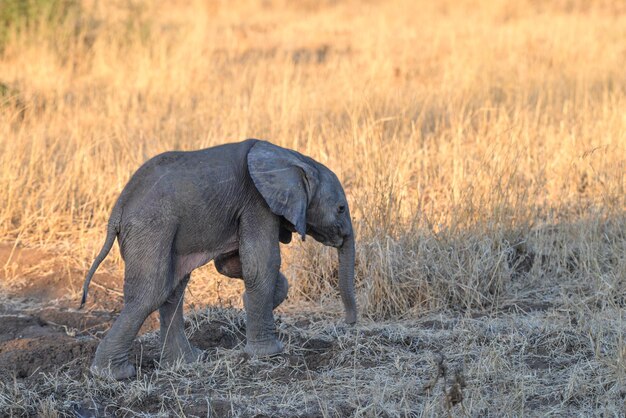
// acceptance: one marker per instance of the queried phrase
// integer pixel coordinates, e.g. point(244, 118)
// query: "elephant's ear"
point(285, 179)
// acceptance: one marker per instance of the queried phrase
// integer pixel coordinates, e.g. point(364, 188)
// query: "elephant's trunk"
point(346, 278)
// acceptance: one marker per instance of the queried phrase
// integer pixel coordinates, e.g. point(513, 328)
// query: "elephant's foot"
point(196, 354)
point(264, 348)
point(180, 350)
point(120, 372)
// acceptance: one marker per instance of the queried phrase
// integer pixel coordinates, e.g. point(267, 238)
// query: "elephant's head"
point(310, 197)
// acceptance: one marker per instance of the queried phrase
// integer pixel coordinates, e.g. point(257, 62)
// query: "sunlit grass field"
point(482, 146)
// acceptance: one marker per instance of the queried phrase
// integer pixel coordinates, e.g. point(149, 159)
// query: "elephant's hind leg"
point(148, 281)
point(112, 352)
point(174, 342)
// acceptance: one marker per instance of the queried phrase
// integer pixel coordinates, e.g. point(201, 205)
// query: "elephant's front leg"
point(260, 260)
point(280, 292)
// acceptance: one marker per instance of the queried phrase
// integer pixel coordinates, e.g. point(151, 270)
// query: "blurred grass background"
point(481, 143)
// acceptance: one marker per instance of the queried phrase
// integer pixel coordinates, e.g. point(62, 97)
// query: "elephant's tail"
point(112, 231)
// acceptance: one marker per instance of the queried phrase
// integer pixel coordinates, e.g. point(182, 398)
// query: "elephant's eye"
point(341, 209)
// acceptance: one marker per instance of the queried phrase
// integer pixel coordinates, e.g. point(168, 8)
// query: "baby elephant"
point(232, 203)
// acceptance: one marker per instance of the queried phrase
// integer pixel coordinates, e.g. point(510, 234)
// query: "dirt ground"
point(531, 359)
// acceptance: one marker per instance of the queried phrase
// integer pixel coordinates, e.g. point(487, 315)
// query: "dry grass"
point(498, 366)
point(482, 145)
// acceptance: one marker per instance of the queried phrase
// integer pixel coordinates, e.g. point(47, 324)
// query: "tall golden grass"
point(482, 144)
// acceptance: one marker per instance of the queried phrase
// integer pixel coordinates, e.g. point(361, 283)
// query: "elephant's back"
point(174, 172)
point(193, 189)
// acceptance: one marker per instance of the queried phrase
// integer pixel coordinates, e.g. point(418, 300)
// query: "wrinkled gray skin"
point(233, 204)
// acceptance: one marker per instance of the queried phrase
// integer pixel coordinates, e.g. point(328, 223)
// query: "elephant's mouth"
point(330, 241)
